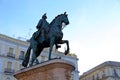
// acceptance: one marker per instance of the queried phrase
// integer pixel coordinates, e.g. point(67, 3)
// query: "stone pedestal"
point(56, 69)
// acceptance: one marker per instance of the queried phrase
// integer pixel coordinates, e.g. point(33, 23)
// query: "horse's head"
point(59, 20)
point(64, 18)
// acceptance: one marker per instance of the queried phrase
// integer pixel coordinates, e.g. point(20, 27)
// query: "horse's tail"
point(27, 56)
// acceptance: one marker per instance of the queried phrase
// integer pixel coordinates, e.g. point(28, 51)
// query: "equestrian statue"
point(47, 35)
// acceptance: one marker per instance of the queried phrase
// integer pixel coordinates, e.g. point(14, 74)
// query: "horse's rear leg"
point(33, 57)
point(36, 52)
point(27, 56)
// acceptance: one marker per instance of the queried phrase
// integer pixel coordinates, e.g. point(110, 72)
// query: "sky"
point(93, 32)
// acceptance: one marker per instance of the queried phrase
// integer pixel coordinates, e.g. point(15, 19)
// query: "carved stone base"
point(56, 69)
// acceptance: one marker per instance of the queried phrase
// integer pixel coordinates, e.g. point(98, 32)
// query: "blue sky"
point(93, 32)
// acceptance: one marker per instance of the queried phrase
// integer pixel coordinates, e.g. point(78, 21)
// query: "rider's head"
point(44, 16)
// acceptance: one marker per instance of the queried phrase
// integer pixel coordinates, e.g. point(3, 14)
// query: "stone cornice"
point(13, 40)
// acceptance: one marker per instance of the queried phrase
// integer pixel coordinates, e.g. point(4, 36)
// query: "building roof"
point(107, 63)
point(13, 40)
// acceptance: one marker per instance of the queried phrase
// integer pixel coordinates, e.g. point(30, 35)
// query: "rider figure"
point(42, 26)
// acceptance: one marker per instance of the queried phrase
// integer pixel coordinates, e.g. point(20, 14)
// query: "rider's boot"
point(42, 36)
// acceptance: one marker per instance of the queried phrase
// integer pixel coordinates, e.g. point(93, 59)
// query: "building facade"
point(109, 70)
point(12, 53)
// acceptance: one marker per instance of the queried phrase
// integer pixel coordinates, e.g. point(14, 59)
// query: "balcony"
point(9, 71)
point(10, 55)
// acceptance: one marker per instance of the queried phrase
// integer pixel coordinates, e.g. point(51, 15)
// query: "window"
point(10, 53)
point(93, 77)
point(97, 78)
point(8, 69)
point(8, 78)
point(9, 65)
point(21, 66)
point(115, 73)
point(21, 55)
point(11, 50)
point(103, 74)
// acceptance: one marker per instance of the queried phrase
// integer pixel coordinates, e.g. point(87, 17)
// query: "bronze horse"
point(54, 35)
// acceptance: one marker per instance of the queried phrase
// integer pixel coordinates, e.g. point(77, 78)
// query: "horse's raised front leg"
point(67, 43)
point(52, 41)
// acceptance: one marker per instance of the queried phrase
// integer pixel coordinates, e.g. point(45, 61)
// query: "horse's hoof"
point(49, 59)
point(66, 52)
point(24, 64)
point(30, 65)
point(37, 63)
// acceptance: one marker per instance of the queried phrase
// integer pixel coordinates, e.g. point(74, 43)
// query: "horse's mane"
point(55, 19)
